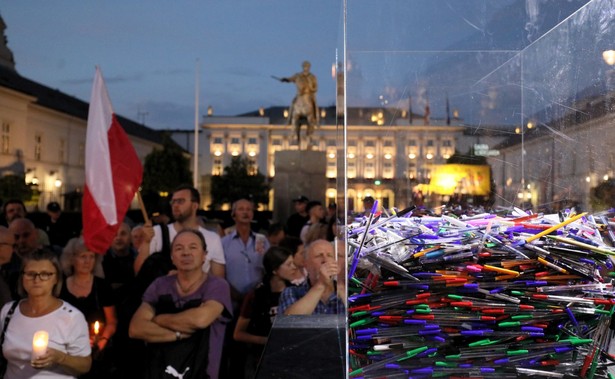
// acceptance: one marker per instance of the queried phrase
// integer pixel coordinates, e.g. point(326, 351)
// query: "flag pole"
point(142, 206)
point(195, 177)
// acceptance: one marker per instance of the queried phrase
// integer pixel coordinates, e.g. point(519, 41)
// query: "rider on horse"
point(307, 86)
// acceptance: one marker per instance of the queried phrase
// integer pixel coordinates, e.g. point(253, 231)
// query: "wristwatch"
point(178, 335)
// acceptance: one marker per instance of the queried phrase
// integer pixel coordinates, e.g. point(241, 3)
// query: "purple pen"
point(480, 332)
point(427, 352)
point(531, 329)
point(415, 322)
point(429, 331)
point(366, 331)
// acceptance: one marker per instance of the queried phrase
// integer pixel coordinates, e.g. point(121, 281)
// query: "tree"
point(239, 180)
point(15, 187)
point(163, 171)
point(603, 195)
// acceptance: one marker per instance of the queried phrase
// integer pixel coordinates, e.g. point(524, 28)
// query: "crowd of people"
point(173, 299)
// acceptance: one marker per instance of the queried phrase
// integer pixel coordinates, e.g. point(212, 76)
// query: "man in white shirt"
point(184, 204)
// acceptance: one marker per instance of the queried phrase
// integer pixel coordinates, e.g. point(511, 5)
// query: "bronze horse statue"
point(303, 112)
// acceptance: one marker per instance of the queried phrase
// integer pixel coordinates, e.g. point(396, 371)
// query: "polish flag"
point(113, 172)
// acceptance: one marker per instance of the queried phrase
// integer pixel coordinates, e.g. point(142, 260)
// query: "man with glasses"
point(184, 204)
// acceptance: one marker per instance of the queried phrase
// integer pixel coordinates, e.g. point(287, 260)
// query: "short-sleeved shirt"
point(261, 307)
point(292, 294)
point(214, 246)
point(68, 333)
point(244, 262)
point(92, 305)
point(213, 288)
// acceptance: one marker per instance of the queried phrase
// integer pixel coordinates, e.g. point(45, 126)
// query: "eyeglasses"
point(32, 275)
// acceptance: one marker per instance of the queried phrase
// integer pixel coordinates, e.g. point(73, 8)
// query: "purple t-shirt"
point(213, 288)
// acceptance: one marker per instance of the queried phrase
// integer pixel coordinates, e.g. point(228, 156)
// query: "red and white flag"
point(113, 171)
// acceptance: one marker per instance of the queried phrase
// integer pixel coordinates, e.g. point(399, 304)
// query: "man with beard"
point(184, 204)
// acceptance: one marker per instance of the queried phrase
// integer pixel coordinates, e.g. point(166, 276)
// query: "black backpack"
point(156, 265)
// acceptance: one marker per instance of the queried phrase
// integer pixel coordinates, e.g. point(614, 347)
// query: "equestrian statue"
point(303, 109)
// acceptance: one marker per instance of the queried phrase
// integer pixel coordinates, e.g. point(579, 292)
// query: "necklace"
point(30, 311)
point(80, 289)
point(87, 284)
point(190, 288)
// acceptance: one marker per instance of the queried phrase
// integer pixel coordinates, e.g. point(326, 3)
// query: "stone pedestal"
point(298, 172)
point(305, 347)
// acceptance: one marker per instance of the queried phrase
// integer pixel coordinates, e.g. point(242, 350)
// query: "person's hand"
point(148, 231)
point(51, 358)
point(328, 270)
point(101, 343)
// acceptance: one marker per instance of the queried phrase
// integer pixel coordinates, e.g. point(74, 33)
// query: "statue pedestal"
point(298, 172)
point(305, 347)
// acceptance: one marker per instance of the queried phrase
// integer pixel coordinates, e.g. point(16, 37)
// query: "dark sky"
point(148, 52)
point(399, 52)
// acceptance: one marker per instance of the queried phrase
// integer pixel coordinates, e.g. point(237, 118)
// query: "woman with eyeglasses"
point(68, 351)
point(92, 295)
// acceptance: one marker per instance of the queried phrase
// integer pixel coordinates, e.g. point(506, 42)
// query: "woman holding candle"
point(92, 295)
point(64, 350)
point(259, 307)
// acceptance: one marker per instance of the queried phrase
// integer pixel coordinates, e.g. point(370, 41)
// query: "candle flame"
point(40, 341)
point(96, 327)
point(39, 344)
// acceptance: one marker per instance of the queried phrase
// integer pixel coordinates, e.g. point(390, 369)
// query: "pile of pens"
point(508, 296)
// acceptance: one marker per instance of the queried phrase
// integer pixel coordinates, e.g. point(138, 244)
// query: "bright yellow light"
point(252, 153)
point(351, 155)
point(605, 177)
point(331, 155)
point(517, 130)
point(235, 153)
point(587, 179)
point(369, 156)
point(58, 183)
point(519, 195)
point(217, 153)
point(411, 155)
point(429, 156)
point(609, 57)
point(449, 179)
point(387, 156)
point(285, 113)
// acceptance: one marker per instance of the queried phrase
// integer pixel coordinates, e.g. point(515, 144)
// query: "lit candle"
point(96, 328)
point(39, 344)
